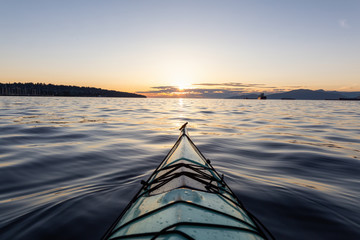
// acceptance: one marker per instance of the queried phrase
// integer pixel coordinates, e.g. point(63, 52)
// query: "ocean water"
point(68, 166)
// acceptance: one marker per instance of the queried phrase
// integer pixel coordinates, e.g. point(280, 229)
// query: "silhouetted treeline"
point(41, 89)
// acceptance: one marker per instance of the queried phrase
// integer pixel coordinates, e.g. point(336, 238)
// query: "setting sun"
point(183, 85)
point(182, 81)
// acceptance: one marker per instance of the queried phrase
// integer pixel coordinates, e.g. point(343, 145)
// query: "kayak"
point(185, 198)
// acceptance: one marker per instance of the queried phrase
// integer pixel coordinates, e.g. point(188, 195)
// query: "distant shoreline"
point(64, 96)
point(250, 99)
point(50, 90)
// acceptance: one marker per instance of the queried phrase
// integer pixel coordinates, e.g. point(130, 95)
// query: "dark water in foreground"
point(68, 166)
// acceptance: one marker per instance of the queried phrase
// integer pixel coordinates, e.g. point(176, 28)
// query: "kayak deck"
point(185, 198)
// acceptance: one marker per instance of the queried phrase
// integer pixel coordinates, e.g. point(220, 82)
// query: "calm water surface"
point(68, 166)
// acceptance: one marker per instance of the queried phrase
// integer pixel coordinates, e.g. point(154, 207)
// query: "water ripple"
point(70, 165)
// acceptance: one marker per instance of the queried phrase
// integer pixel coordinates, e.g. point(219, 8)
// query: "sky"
point(172, 48)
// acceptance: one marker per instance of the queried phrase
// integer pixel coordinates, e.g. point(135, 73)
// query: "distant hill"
point(350, 94)
point(306, 94)
point(40, 89)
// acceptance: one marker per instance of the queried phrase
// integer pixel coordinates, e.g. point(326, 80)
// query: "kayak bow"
point(185, 198)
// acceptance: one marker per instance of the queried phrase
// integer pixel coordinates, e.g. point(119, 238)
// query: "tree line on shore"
point(41, 89)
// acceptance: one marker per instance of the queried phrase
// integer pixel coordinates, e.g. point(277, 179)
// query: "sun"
point(181, 81)
point(183, 85)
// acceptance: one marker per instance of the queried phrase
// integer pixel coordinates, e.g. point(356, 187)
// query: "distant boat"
point(262, 96)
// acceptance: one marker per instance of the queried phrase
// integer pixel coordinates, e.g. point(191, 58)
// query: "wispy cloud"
point(296, 86)
point(344, 23)
point(166, 88)
point(230, 84)
point(173, 91)
point(209, 90)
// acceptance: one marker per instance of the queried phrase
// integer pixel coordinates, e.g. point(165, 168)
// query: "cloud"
point(210, 90)
point(218, 92)
point(173, 91)
point(296, 87)
point(167, 89)
point(230, 84)
point(164, 87)
point(344, 23)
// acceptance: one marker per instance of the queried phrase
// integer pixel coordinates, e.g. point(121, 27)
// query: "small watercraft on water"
point(185, 198)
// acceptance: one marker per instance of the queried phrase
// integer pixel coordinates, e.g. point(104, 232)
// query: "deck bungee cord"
point(185, 198)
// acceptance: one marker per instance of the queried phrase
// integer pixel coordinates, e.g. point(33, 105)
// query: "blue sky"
point(137, 45)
